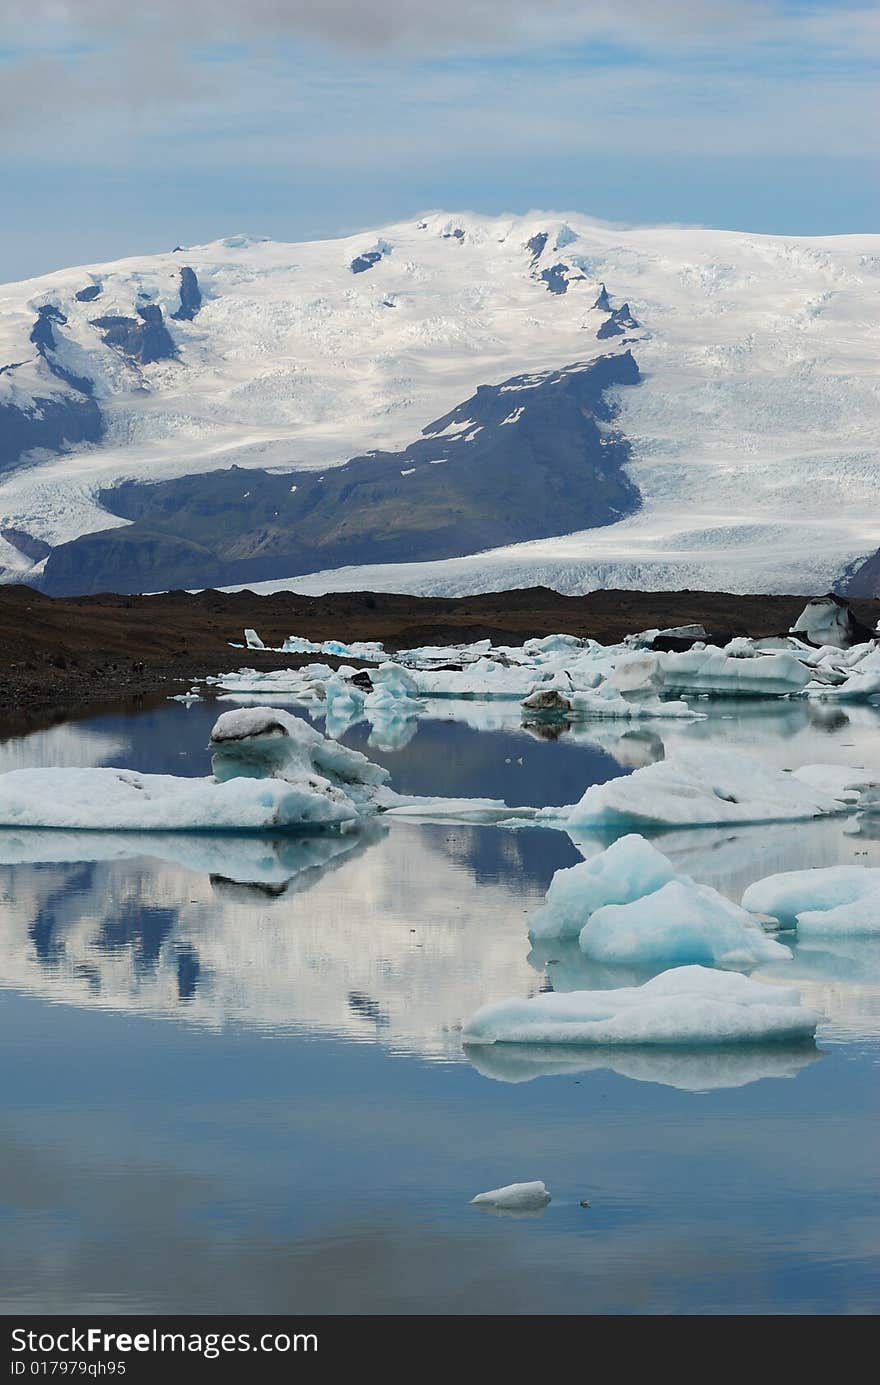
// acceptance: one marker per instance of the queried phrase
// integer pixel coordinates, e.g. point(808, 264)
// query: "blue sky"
point(128, 131)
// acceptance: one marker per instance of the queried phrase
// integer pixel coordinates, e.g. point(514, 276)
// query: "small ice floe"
point(515, 1197)
point(252, 640)
point(826, 900)
point(686, 1007)
point(603, 701)
point(628, 907)
point(703, 788)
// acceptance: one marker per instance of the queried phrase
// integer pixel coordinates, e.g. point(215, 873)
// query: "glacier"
point(753, 434)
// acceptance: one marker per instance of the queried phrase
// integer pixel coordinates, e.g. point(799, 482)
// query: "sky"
point(130, 129)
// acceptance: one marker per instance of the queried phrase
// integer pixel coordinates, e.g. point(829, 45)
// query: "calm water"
point(234, 1079)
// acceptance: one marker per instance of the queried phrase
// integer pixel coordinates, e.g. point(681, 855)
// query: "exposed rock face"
point(190, 295)
point(519, 460)
point(556, 278)
point(865, 580)
point(361, 263)
point(88, 295)
point(55, 420)
point(33, 548)
point(603, 302)
point(536, 246)
point(43, 337)
point(53, 423)
point(145, 341)
point(621, 320)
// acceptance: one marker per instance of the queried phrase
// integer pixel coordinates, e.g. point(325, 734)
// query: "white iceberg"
point(252, 640)
point(515, 1197)
point(822, 901)
point(271, 770)
point(717, 672)
point(688, 1006)
point(828, 620)
point(699, 787)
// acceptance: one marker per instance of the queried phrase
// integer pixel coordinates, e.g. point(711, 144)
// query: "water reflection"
point(690, 1071)
point(216, 1093)
point(391, 936)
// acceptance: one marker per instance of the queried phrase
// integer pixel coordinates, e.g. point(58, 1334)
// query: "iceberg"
point(626, 871)
point(678, 924)
point(628, 907)
point(724, 674)
point(699, 787)
point(821, 901)
point(515, 1197)
point(270, 770)
point(690, 1006)
point(829, 620)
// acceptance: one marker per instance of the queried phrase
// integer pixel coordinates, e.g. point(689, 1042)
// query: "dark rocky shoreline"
point(65, 658)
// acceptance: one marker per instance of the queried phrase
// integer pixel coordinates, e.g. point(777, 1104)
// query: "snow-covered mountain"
point(667, 408)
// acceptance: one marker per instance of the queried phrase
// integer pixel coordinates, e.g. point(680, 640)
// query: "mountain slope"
point(753, 436)
point(528, 457)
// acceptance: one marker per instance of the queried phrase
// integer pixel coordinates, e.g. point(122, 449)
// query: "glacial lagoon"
point(235, 1080)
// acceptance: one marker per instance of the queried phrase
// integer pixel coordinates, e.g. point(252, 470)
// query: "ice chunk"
point(629, 907)
point(252, 640)
point(123, 800)
point(717, 672)
point(827, 899)
point(829, 620)
point(838, 781)
point(271, 770)
point(629, 869)
point(698, 788)
point(636, 673)
point(680, 923)
point(607, 702)
point(394, 680)
point(688, 1006)
point(515, 1197)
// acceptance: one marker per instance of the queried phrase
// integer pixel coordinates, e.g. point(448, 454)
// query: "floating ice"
point(688, 1006)
point(124, 800)
point(271, 770)
point(678, 924)
point(827, 899)
point(698, 788)
point(628, 907)
point(252, 640)
point(629, 869)
point(718, 672)
point(516, 1197)
point(828, 620)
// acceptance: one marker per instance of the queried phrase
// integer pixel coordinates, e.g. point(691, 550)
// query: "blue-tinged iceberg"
point(686, 1007)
